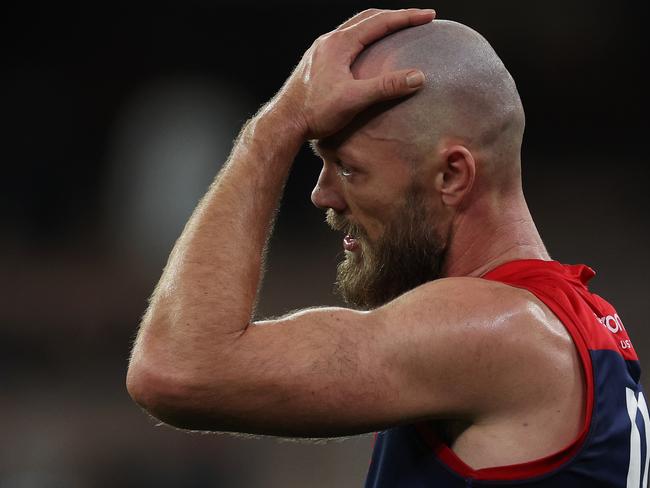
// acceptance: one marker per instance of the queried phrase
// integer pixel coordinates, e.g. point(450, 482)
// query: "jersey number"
point(634, 471)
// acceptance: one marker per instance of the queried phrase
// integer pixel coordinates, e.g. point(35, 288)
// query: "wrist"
point(270, 139)
point(281, 112)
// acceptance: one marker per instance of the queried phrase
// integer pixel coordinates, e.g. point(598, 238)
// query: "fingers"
point(374, 27)
point(387, 87)
point(323, 87)
point(355, 19)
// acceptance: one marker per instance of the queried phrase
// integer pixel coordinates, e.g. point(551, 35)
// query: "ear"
point(456, 176)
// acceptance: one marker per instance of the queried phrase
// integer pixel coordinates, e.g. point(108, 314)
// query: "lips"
point(350, 243)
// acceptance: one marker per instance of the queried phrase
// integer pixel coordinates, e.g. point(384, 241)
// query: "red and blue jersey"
point(612, 447)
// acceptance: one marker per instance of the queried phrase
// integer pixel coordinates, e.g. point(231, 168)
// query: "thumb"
point(388, 86)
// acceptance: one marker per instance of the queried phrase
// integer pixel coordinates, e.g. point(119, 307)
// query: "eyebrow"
point(322, 147)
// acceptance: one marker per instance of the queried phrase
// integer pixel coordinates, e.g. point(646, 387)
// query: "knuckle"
point(341, 34)
point(334, 36)
point(390, 86)
point(320, 45)
point(321, 39)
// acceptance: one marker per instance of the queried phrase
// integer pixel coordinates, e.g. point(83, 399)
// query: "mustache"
point(339, 223)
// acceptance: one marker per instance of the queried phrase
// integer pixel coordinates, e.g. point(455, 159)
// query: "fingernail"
point(414, 79)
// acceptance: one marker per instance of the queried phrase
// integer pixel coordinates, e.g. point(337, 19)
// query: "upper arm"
point(441, 350)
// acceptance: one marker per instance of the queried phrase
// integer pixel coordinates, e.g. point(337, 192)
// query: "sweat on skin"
point(200, 363)
point(468, 98)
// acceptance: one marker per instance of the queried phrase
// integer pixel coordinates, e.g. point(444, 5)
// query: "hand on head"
point(322, 94)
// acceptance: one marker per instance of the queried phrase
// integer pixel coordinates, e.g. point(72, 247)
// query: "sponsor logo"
point(612, 322)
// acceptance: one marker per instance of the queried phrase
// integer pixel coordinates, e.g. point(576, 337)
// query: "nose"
point(326, 193)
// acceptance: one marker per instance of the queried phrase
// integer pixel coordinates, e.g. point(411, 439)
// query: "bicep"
point(316, 373)
point(333, 371)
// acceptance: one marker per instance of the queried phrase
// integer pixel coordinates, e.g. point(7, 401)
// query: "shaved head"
point(468, 97)
point(456, 141)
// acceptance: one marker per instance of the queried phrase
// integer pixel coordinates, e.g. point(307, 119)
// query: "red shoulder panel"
point(593, 324)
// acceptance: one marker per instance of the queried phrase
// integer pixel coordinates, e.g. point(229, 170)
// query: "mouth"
point(350, 243)
point(337, 222)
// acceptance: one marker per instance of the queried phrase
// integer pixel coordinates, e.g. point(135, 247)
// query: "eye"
point(343, 170)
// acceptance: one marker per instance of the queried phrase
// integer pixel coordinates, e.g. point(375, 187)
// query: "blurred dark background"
point(116, 116)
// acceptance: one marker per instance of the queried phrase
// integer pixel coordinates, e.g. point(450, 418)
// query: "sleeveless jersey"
point(612, 447)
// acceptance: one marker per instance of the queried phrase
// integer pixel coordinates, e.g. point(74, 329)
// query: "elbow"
point(146, 388)
point(167, 398)
point(172, 386)
point(139, 387)
point(140, 380)
point(156, 393)
point(153, 380)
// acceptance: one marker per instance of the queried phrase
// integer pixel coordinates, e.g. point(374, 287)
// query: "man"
point(480, 360)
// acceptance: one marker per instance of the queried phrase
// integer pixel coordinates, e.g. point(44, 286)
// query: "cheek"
point(374, 203)
point(376, 217)
point(368, 211)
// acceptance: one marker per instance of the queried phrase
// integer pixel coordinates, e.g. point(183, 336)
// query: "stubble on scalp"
point(468, 96)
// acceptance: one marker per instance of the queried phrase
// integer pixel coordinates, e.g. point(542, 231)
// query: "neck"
point(489, 235)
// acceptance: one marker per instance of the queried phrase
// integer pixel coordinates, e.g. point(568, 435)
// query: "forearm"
point(191, 362)
point(208, 289)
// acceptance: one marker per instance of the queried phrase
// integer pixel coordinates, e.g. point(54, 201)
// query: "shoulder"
point(472, 306)
point(500, 346)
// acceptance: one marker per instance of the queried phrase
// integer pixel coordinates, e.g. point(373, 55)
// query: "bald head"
point(468, 97)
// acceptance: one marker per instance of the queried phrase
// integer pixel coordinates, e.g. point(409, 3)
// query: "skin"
point(486, 362)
